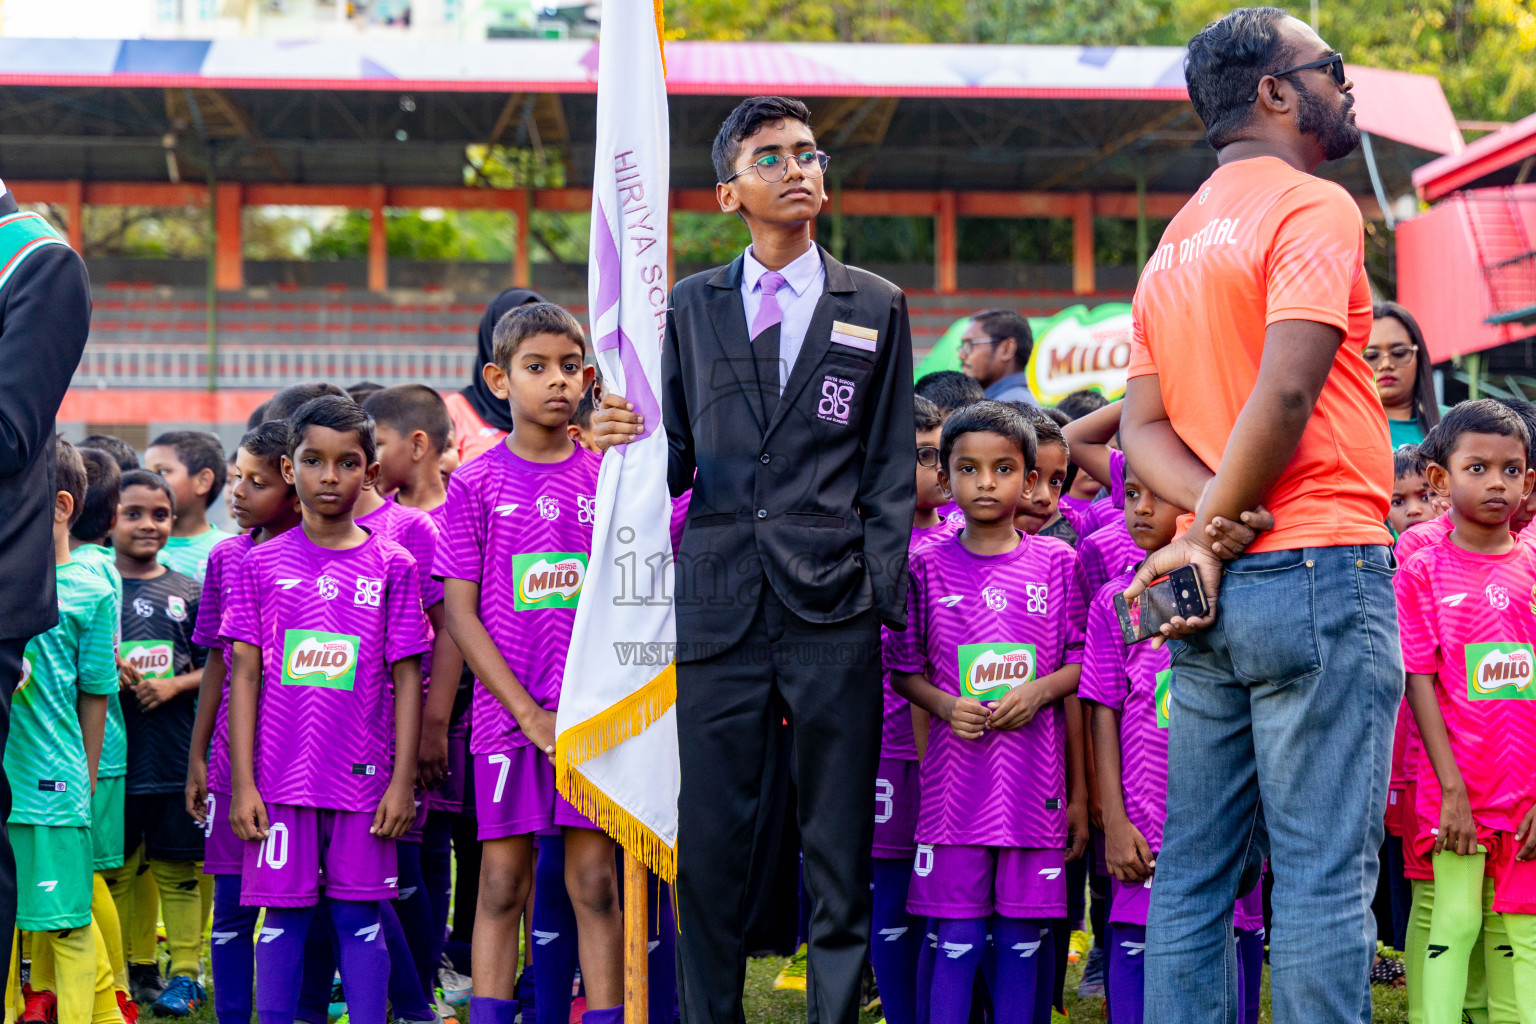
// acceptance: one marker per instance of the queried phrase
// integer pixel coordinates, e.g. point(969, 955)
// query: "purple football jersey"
point(329, 624)
point(414, 530)
point(523, 531)
point(1107, 552)
point(896, 739)
point(978, 625)
point(1133, 681)
point(221, 576)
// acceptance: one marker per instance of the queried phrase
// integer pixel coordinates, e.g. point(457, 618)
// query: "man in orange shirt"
point(1247, 389)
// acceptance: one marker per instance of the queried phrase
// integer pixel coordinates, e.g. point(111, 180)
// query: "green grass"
point(765, 1006)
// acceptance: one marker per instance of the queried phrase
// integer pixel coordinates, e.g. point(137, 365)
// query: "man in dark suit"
point(787, 399)
point(45, 314)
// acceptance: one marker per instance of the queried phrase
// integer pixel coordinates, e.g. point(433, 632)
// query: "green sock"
point(1499, 963)
point(1453, 928)
point(1521, 929)
point(1417, 943)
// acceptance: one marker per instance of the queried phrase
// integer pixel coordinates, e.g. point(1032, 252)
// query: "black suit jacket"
point(45, 315)
point(816, 500)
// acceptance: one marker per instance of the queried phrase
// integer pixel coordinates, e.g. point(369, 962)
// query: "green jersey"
point(45, 755)
point(114, 745)
point(189, 555)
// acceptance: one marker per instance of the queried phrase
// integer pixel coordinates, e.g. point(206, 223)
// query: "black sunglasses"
point(1333, 62)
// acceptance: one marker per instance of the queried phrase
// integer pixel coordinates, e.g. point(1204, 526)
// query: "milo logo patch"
point(548, 579)
point(311, 658)
point(1500, 671)
point(987, 671)
point(1162, 697)
point(154, 659)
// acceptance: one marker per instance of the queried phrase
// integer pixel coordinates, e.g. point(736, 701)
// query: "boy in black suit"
point(793, 435)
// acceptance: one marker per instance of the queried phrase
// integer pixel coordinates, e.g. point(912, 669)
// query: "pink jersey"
point(1133, 681)
point(896, 738)
point(521, 530)
point(1419, 536)
point(1470, 620)
point(219, 589)
point(329, 624)
point(978, 625)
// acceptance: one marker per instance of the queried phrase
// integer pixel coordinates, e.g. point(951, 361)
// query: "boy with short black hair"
point(88, 543)
point(192, 462)
point(949, 390)
point(994, 665)
point(58, 719)
point(288, 401)
point(897, 935)
point(528, 503)
point(1040, 511)
point(1410, 492)
point(121, 451)
point(413, 427)
point(265, 506)
point(1468, 663)
point(158, 617)
point(325, 621)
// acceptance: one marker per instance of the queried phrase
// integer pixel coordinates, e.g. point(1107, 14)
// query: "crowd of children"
point(284, 742)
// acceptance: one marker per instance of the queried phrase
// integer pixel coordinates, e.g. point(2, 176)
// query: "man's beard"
point(1333, 128)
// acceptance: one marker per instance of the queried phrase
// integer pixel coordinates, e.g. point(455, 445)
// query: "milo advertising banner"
point(988, 671)
point(154, 659)
point(1077, 349)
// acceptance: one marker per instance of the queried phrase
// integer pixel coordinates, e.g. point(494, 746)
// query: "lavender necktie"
point(769, 312)
point(765, 341)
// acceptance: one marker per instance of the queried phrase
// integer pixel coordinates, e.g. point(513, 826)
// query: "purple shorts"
point(515, 795)
point(895, 809)
point(307, 847)
point(223, 851)
point(958, 882)
point(1100, 858)
point(449, 794)
point(1128, 903)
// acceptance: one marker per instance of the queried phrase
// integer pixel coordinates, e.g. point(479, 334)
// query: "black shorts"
point(160, 821)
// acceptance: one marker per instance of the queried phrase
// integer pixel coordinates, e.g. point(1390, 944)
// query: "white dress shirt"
point(805, 278)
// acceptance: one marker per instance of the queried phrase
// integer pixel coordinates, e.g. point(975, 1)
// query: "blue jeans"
point(1279, 745)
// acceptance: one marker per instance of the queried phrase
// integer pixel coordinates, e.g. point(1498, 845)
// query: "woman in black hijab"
point(480, 419)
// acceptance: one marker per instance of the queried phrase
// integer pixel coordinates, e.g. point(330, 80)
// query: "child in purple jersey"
point(993, 643)
point(527, 505)
point(895, 935)
point(326, 620)
point(412, 426)
point(265, 506)
point(1082, 487)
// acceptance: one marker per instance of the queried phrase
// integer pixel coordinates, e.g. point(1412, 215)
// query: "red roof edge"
point(1508, 145)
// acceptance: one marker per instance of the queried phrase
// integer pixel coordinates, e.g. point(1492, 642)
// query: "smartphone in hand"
point(1178, 594)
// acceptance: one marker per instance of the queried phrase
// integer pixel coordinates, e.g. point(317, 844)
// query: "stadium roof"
point(1503, 157)
point(400, 112)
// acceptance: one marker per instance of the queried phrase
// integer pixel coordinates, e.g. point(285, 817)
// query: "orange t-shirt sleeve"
point(1316, 254)
point(1141, 363)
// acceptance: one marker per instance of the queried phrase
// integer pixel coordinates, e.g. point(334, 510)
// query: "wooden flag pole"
point(637, 940)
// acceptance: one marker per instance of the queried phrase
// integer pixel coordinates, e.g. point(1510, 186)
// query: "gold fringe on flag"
point(661, 35)
point(598, 735)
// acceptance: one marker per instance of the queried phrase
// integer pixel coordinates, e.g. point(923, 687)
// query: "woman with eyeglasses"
point(1404, 377)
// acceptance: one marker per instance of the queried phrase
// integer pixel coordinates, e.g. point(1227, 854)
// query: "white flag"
point(616, 732)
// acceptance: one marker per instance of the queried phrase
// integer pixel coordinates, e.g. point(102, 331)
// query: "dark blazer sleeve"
point(43, 326)
point(674, 410)
point(886, 493)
